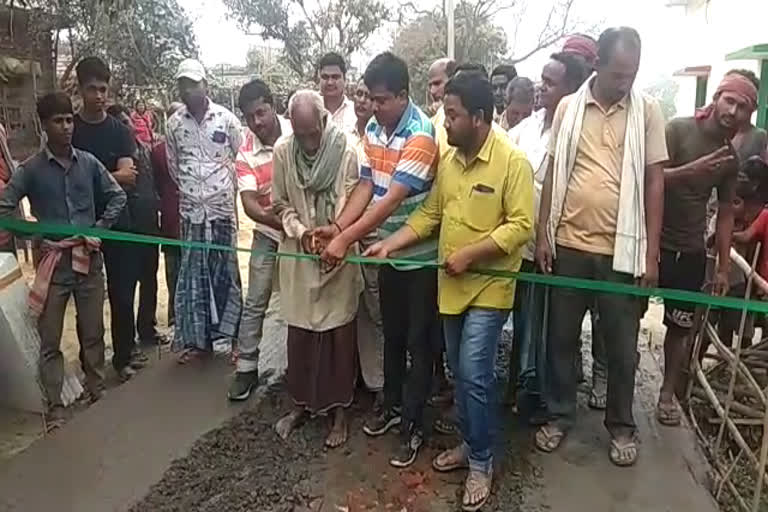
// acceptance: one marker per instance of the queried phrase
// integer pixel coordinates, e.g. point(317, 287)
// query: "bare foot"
point(287, 423)
point(338, 434)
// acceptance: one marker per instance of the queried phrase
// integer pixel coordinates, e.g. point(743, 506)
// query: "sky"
point(221, 41)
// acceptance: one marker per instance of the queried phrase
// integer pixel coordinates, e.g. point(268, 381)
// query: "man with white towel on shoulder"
point(600, 218)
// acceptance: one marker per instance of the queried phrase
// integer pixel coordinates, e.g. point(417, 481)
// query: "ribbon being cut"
point(41, 228)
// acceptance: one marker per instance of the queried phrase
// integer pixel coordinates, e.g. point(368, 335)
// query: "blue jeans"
point(471, 341)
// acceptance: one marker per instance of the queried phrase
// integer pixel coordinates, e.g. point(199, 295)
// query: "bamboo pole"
point(727, 475)
point(734, 367)
point(737, 437)
point(726, 352)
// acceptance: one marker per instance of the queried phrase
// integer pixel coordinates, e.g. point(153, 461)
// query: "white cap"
point(192, 69)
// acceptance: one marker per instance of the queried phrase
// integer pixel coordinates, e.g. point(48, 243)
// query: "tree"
point(142, 40)
point(423, 40)
point(665, 90)
point(420, 40)
point(265, 64)
point(339, 25)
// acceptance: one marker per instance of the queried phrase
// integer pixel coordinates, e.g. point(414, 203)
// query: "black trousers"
point(129, 265)
point(411, 326)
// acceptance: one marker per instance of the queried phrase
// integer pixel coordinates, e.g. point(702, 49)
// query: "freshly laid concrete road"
point(107, 457)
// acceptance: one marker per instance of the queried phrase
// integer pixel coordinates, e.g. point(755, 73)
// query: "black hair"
point(521, 89)
point(92, 68)
point(389, 70)
point(748, 190)
point(755, 171)
point(471, 67)
point(612, 37)
point(54, 103)
point(576, 70)
point(508, 70)
point(749, 75)
point(254, 90)
point(117, 109)
point(475, 93)
point(332, 59)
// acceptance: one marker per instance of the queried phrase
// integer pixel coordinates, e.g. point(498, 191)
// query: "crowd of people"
point(573, 174)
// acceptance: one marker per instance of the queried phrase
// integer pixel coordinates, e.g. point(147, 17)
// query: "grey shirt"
point(65, 196)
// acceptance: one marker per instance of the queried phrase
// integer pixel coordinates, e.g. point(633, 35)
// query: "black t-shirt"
point(108, 141)
point(685, 202)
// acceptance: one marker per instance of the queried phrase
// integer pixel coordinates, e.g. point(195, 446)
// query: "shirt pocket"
point(216, 145)
point(482, 207)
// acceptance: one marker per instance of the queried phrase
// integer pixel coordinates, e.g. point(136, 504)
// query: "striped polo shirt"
point(408, 156)
point(254, 172)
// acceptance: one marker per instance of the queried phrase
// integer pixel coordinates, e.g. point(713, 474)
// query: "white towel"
point(631, 237)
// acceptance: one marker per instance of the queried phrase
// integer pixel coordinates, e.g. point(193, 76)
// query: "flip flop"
point(668, 414)
point(549, 438)
point(445, 427)
point(623, 454)
point(476, 481)
point(597, 401)
point(451, 460)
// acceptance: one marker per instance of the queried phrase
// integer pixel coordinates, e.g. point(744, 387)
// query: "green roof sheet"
point(757, 52)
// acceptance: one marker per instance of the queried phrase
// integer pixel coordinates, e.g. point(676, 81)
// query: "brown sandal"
point(549, 438)
point(668, 413)
point(450, 460)
point(476, 482)
point(623, 454)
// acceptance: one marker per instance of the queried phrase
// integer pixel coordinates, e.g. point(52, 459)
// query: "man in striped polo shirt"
point(396, 173)
point(254, 179)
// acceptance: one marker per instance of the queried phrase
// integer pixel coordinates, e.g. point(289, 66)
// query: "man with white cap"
point(202, 142)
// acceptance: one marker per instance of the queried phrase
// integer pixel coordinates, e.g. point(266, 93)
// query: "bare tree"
point(476, 16)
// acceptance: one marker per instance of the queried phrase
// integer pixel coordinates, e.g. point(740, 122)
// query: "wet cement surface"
point(169, 441)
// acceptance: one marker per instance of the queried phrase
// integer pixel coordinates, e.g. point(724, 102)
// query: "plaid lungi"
point(208, 300)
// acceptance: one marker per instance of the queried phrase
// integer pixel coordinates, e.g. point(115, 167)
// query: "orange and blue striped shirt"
point(408, 157)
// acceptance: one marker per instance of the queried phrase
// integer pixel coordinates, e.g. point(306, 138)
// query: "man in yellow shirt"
point(483, 203)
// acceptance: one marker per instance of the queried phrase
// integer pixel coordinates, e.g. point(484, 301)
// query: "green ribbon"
point(64, 230)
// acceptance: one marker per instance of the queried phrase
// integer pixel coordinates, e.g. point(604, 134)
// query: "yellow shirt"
point(491, 196)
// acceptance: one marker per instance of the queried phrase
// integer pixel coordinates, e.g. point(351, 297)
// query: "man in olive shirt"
point(582, 224)
point(701, 158)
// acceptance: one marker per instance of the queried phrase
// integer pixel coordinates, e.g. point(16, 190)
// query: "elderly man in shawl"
point(315, 169)
point(702, 158)
point(600, 218)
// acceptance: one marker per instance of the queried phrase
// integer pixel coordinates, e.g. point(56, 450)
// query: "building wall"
point(711, 29)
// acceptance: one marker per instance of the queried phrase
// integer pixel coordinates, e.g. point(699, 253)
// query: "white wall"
point(710, 29)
